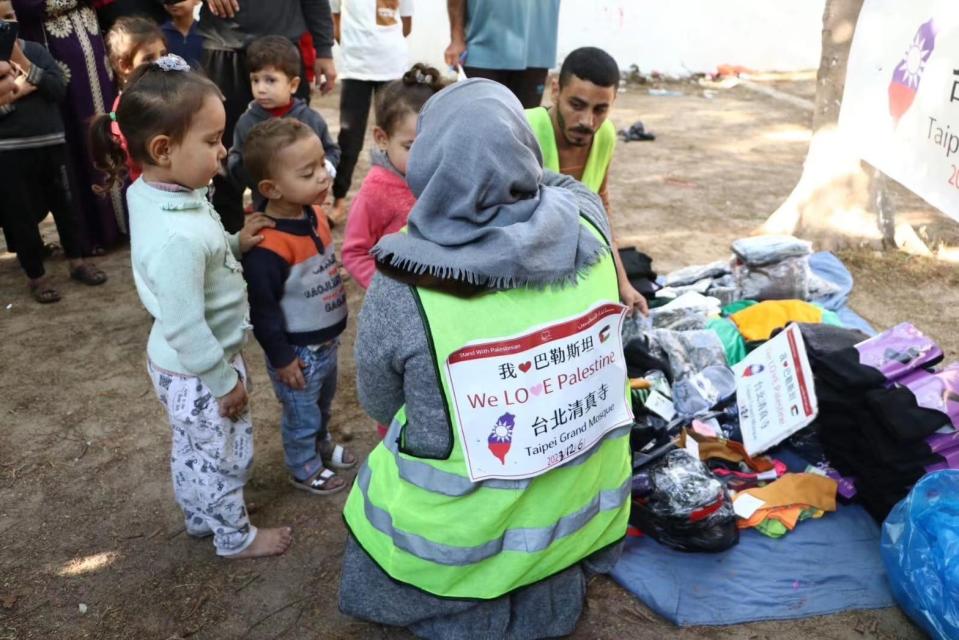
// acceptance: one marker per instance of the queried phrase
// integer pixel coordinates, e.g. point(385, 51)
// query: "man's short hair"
point(592, 64)
point(266, 140)
point(274, 51)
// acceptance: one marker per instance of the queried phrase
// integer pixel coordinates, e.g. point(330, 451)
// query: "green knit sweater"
point(189, 278)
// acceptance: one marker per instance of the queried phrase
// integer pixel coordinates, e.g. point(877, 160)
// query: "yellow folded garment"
point(756, 323)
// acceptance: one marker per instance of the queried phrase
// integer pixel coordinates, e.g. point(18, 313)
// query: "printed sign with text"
point(528, 403)
point(774, 391)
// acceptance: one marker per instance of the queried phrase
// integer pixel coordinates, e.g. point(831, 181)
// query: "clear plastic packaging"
point(695, 273)
point(787, 279)
point(686, 508)
point(760, 250)
point(679, 319)
point(696, 394)
point(687, 351)
point(920, 548)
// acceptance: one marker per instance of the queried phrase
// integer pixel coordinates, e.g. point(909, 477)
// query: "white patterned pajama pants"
point(210, 461)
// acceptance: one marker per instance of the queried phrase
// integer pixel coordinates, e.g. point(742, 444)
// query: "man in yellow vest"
point(577, 139)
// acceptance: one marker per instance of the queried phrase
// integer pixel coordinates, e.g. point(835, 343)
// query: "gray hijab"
point(482, 214)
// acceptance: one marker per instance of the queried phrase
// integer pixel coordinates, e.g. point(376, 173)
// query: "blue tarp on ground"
point(824, 566)
point(830, 268)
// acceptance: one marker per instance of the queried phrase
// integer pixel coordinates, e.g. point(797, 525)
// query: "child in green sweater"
point(189, 278)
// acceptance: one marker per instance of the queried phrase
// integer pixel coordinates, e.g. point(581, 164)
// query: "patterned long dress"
point(69, 30)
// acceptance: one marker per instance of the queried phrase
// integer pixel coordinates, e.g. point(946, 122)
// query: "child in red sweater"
point(384, 200)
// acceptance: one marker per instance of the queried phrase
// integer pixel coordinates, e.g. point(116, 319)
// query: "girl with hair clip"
point(384, 200)
point(188, 275)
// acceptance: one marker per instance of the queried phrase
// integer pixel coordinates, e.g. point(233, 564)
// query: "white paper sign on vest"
point(775, 392)
point(900, 106)
point(527, 403)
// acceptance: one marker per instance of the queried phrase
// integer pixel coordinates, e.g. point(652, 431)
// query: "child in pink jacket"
point(384, 200)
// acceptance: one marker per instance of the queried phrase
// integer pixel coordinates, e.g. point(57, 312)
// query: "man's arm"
point(456, 9)
point(627, 293)
point(319, 22)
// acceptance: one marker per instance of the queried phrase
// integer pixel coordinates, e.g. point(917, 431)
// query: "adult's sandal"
point(44, 293)
point(88, 275)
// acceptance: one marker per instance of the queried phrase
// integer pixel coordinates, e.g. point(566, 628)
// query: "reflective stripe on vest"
point(600, 152)
point(524, 540)
point(430, 478)
point(426, 524)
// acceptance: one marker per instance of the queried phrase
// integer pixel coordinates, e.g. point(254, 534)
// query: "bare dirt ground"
point(87, 518)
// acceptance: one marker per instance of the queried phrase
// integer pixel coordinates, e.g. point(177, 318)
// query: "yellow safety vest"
point(600, 153)
point(426, 524)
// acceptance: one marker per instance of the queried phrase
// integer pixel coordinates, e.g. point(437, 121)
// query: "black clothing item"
point(151, 9)
point(35, 181)
point(636, 132)
point(35, 120)
point(639, 359)
point(897, 411)
point(356, 96)
point(867, 430)
point(228, 70)
point(290, 18)
point(639, 271)
point(526, 84)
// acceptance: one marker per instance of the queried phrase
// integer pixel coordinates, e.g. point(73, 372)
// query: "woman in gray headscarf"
point(487, 220)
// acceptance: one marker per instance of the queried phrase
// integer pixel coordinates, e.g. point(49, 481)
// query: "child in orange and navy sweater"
point(297, 300)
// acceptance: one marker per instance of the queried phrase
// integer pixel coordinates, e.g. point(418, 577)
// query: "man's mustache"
point(586, 131)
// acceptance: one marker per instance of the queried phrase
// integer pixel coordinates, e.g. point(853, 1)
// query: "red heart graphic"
point(525, 366)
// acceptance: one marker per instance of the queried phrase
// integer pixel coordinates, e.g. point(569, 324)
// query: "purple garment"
point(939, 391)
point(69, 30)
point(941, 442)
point(898, 351)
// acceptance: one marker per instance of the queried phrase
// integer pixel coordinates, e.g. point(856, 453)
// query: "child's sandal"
point(320, 483)
point(334, 458)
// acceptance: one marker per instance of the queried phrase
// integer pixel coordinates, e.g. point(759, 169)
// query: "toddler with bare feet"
point(187, 272)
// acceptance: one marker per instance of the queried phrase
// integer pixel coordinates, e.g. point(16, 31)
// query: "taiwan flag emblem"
point(908, 73)
point(501, 438)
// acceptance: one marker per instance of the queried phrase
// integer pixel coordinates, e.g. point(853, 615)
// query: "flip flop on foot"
point(335, 456)
point(323, 483)
point(88, 274)
point(44, 293)
point(268, 542)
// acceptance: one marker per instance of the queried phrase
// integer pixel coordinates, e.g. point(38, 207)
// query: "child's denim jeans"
point(306, 412)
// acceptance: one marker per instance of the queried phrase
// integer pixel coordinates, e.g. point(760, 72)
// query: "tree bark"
point(838, 201)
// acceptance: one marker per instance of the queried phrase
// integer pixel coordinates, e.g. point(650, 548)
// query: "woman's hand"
point(633, 299)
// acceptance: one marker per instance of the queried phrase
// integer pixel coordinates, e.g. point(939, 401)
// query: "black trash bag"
point(679, 503)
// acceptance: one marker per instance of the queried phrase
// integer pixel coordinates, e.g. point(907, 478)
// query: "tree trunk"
point(838, 201)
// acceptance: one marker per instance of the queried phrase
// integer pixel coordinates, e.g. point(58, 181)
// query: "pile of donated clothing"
point(695, 486)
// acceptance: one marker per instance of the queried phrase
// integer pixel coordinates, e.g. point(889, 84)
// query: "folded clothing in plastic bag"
point(687, 351)
point(679, 503)
point(695, 273)
point(787, 279)
point(760, 250)
point(699, 392)
point(919, 547)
